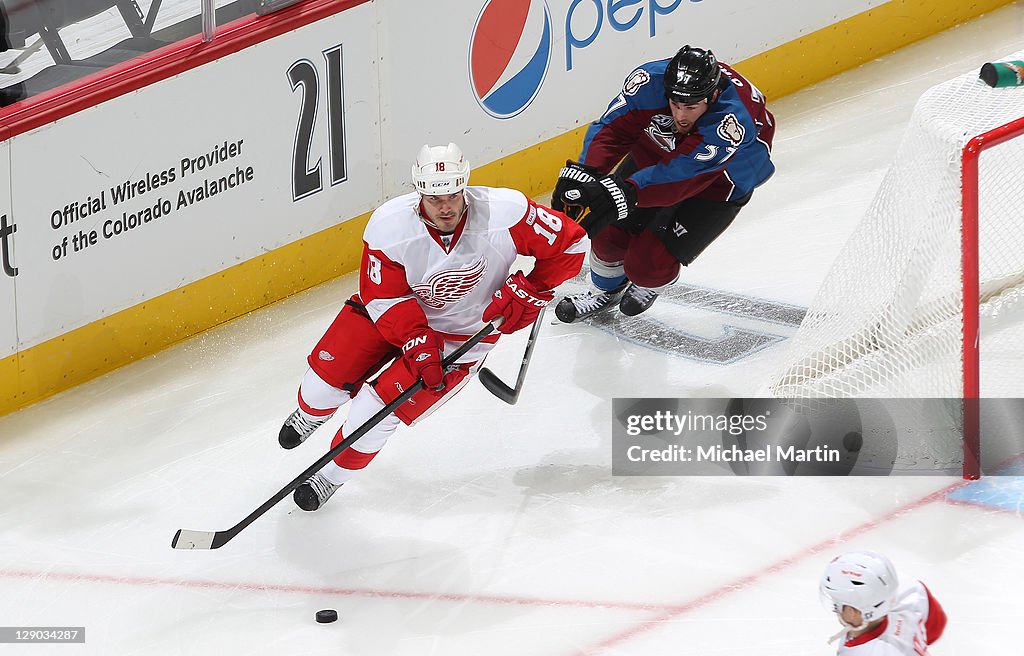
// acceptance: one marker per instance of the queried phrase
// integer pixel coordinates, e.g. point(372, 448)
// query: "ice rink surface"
point(494, 529)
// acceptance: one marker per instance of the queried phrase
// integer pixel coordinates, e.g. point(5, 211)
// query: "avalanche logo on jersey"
point(661, 132)
point(636, 79)
point(731, 130)
point(451, 285)
point(509, 53)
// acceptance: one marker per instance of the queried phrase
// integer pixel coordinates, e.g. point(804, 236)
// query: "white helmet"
point(864, 580)
point(440, 170)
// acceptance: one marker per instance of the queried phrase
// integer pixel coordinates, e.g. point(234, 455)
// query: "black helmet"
point(692, 75)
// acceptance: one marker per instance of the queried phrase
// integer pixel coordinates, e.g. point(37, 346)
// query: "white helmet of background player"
point(864, 580)
point(440, 170)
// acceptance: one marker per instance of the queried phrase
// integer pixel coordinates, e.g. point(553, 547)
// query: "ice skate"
point(314, 492)
point(298, 427)
point(577, 306)
point(637, 299)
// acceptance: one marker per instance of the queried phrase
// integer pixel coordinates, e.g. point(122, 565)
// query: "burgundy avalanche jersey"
point(725, 155)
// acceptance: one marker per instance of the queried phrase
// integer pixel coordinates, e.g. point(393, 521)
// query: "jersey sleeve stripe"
point(378, 306)
point(582, 245)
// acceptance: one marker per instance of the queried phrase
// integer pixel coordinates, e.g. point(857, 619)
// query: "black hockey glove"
point(598, 204)
point(572, 176)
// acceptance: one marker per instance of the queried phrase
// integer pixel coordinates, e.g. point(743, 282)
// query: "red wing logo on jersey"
point(449, 286)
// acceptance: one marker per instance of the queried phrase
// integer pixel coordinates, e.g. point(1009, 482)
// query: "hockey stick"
point(189, 539)
point(494, 384)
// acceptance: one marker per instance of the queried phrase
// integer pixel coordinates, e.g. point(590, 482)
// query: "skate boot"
point(314, 492)
point(298, 427)
point(577, 306)
point(637, 299)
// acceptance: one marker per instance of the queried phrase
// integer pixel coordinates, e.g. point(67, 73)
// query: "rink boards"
point(201, 187)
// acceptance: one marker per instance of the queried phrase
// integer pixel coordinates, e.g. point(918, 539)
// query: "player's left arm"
point(558, 246)
point(556, 242)
point(681, 174)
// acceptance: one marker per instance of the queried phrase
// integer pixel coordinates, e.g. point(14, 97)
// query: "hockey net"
point(945, 232)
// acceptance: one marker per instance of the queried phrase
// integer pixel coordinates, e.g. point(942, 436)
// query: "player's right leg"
point(350, 351)
point(673, 239)
point(318, 401)
point(607, 277)
point(370, 400)
point(315, 492)
point(650, 268)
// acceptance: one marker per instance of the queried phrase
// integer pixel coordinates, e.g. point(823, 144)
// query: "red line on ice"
point(325, 590)
point(661, 612)
point(745, 582)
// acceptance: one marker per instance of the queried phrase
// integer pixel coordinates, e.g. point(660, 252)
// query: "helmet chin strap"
point(423, 218)
point(837, 636)
point(423, 215)
point(848, 627)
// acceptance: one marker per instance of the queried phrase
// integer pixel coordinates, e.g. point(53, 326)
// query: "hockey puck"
point(326, 616)
point(853, 441)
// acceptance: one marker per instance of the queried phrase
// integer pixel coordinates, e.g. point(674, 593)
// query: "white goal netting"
point(888, 319)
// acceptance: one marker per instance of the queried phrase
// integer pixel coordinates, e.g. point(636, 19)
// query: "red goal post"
point(969, 191)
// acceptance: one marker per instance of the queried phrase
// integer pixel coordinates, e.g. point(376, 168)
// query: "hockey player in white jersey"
point(435, 268)
point(879, 617)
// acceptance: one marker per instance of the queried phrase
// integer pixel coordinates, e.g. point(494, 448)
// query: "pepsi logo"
point(509, 53)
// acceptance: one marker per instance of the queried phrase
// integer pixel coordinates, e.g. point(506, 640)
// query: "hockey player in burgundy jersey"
point(435, 268)
point(879, 617)
point(694, 140)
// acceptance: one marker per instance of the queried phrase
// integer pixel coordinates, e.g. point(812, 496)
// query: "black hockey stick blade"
point(495, 386)
point(499, 389)
point(191, 539)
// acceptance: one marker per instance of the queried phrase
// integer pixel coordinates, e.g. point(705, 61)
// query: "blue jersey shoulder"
point(643, 89)
point(647, 85)
point(728, 122)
